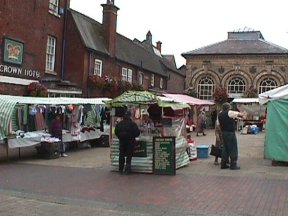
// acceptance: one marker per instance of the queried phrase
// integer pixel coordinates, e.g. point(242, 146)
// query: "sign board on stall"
point(140, 149)
point(164, 162)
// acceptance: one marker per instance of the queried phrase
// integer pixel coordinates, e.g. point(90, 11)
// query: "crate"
point(102, 141)
point(49, 150)
point(202, 151)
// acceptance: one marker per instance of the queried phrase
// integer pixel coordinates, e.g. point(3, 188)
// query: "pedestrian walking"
point(201, 123)
point(126, 131)
point(230, 149)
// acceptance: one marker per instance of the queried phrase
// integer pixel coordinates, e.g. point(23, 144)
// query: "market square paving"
point(83, 184)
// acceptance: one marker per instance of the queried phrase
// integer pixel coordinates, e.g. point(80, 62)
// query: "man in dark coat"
point(230, 149)
point(126, 131)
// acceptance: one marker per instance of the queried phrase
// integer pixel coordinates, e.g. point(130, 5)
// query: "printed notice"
point(164, 155)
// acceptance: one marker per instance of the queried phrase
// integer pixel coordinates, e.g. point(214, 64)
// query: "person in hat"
point(230, 149)
point(126, 131)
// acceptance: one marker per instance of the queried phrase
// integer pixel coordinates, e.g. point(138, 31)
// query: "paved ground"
point(82, 184)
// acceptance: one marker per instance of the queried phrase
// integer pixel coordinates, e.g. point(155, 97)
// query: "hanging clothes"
point(39, 119)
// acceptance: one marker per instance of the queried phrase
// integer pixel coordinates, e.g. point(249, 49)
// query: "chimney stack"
point(109, 25)
point(159, 45)
point(149, 37)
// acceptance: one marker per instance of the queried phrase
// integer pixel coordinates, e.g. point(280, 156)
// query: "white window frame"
point(127, 75)
point(161, 83)
point(54, 6)
point(206, 88)
point(50, 54)
point(141, 78)
point(98, 67)
point(152, 80)
point(236, 85)
point(130, 76)
point(267, 84)
point(124, 74)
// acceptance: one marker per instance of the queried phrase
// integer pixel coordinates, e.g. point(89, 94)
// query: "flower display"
point(113, 86)
point(220, 95)
point(36, 89)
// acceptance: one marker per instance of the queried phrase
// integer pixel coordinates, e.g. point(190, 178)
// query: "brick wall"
point(30, 22)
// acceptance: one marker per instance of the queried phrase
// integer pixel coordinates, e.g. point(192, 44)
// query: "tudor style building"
point(245, 61)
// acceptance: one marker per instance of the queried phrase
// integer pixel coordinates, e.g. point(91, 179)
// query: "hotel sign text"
point(12, 70)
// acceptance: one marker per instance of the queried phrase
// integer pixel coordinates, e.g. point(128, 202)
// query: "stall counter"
point(143, 163)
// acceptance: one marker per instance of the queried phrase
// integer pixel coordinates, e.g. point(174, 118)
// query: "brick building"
point(68, 52)
point(244, 62)
point(32, 36)
point(96, 50)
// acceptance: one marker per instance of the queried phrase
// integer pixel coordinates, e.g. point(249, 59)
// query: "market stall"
point(24, 121)
point(156, 117)
point(276, 136)
point(254, 111)
point(196, 106)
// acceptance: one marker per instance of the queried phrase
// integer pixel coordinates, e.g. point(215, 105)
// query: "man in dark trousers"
point(230, 149)
point(126, 131)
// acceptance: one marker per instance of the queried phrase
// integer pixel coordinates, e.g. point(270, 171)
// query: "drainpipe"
point(63, 57)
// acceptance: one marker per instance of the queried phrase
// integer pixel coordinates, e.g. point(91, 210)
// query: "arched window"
point(205, 88)
point(266, 85)
point(236, 86)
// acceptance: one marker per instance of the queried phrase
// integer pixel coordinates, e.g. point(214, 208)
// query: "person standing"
point(126, 131)
point(230, 149)
point(201, 123)
point(219, 139)
point(56, 131)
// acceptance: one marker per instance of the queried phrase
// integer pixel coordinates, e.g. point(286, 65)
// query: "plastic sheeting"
point(276, 146)
point(277, 93)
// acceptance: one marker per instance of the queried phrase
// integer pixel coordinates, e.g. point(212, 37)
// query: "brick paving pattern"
point(82, 184)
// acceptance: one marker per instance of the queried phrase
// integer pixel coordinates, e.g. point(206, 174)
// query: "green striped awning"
point(145, 98)
point(133, 98)
point(8, 103)
point(6, 109)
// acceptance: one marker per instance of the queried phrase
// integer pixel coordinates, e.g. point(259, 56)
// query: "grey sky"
point(185, 25)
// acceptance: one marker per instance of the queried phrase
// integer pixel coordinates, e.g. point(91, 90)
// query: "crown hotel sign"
point(13, 51)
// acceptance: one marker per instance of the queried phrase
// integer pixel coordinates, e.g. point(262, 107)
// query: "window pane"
point(53, 5)
point(98, 67)
point(140, 78)
point(50, 53)
point(124, 74)
point(266, 85)
point(205, 88)
point(129, 76)
point(152, 80)
point(236, 86)
point(161, 83)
